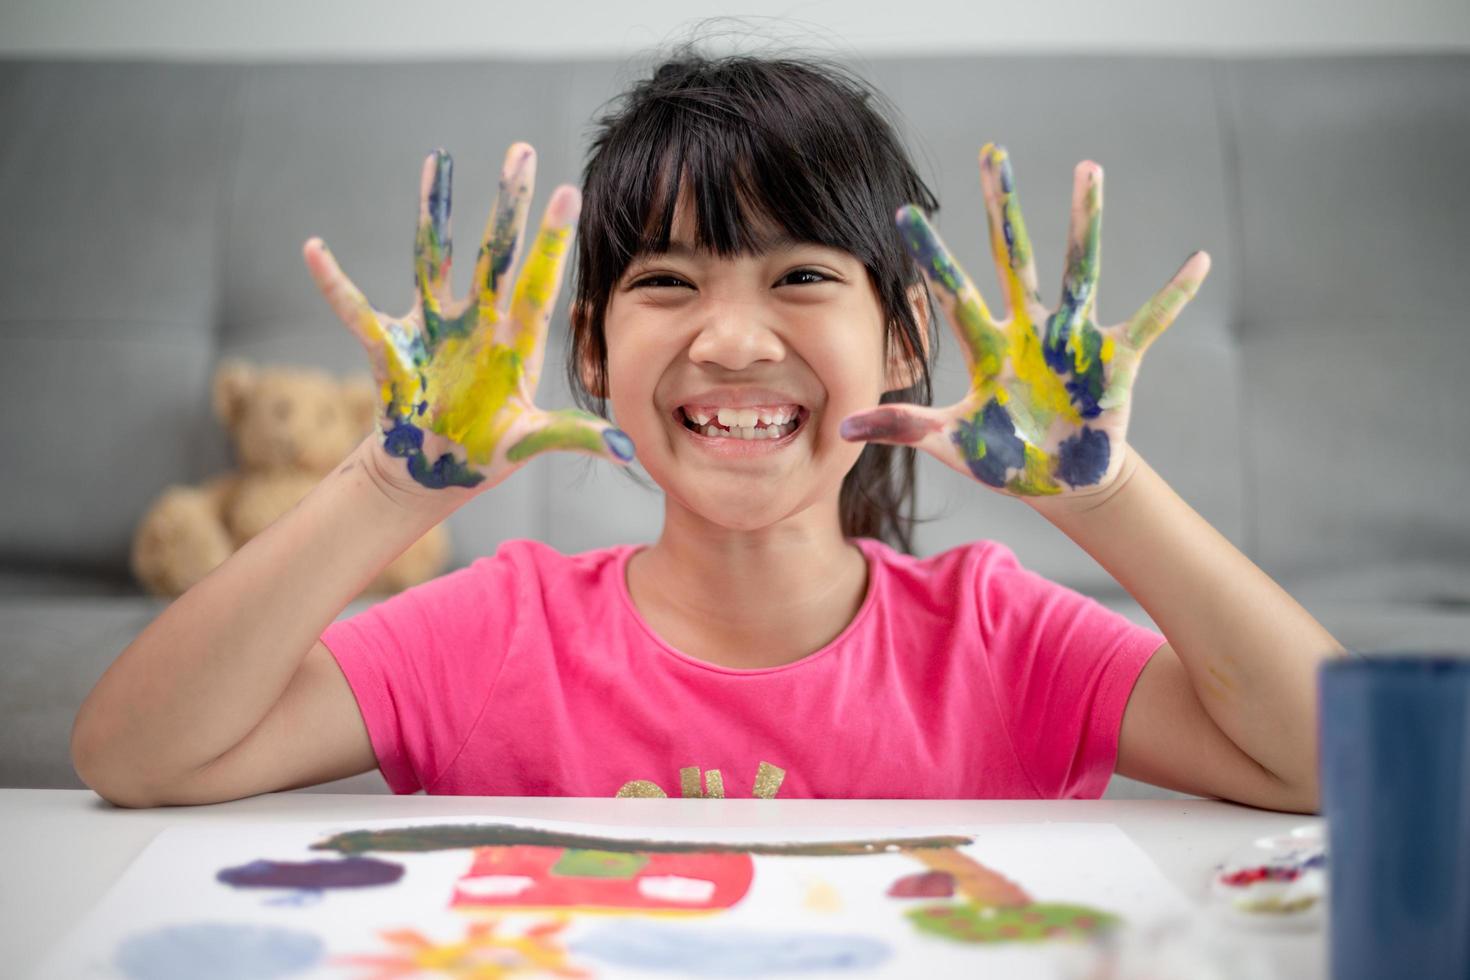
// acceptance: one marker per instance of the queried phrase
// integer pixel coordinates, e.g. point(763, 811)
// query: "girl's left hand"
point(1047, 410)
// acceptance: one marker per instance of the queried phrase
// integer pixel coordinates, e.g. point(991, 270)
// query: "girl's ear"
point(903, 371)
point(586, 370)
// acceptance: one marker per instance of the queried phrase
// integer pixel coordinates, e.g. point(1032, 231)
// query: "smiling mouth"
point(767, 426)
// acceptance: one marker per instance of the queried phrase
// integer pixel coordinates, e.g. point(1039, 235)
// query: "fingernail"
point(516, 160)
point(618, 443)
point(887, 424)
point(564, 205)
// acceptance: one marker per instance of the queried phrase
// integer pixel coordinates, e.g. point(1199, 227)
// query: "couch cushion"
point(55, 649)
point(1352, 219)
point(110, 183)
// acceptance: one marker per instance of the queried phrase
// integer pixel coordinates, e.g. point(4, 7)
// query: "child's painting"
point(475, 899)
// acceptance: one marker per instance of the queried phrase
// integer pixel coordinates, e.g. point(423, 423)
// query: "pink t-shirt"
point(962, 676)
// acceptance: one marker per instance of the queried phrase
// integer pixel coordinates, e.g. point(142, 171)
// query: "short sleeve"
point(1063, 666)
point(422, 665)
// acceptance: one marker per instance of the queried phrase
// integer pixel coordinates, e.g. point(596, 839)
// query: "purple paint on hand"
point(889, 424)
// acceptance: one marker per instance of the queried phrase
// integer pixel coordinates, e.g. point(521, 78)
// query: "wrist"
point(389, 476)
point(1078, 503)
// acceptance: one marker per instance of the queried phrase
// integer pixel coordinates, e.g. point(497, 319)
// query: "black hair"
point(794, 142)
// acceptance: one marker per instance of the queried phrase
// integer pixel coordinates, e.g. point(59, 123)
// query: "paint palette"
point(1276, 880)
point(445, 898)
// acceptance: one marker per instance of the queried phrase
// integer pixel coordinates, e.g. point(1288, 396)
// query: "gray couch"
point(1313, 403)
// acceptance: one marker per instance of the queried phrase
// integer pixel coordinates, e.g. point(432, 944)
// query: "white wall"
point(359, 29)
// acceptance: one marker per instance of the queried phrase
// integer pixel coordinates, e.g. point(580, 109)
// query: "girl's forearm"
point(204, 673)
point(1250, 650)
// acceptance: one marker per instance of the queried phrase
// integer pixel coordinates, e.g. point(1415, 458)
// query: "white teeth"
point(778, 417)
point(741, 418)
point(748, 432)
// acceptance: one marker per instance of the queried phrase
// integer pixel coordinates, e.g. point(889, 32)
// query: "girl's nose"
point(734, 340)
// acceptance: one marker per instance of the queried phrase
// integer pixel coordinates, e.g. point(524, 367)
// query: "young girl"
point(758, 322)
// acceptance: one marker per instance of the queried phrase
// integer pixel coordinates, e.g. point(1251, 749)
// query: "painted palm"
point(1047, 409)
point(459, 377)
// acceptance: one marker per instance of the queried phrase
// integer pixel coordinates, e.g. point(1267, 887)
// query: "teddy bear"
point(290, 426)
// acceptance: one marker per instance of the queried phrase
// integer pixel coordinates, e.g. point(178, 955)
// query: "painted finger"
point(346, 300)
point(1155, 316)
point(504, 232)
point(571, 430)
point(983, 342)
point(1009, 243)
point(433, 247)
point(540, 278)
point(897, 424)
point(1084, 246)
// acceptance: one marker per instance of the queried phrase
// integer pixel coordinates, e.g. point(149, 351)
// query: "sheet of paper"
point(481, 899)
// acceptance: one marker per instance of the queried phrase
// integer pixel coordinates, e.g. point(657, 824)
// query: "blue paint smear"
point(1082, 459)
point(439, 197)
point(705, 952)
point(304, 898)
point(1085, 389)
point(618, 443)
point(1004, 450)
point(927, 251)
point(406, 441)
point(1007, 182)
point(221, 951)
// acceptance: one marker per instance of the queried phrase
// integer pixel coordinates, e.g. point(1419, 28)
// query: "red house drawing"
point(532, 877)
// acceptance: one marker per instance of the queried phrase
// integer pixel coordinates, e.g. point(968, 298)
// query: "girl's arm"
point(229, 692)
point(1242, 655)
point(1228, 706)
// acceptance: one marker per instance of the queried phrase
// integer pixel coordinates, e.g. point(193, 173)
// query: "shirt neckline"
point(867, 546)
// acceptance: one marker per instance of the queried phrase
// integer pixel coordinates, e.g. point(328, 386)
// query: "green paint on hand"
point(567, 431)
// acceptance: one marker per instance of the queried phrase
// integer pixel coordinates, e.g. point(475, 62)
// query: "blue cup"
point(1395, 754)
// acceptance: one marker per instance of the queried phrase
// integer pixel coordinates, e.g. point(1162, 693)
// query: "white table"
point(60, 850)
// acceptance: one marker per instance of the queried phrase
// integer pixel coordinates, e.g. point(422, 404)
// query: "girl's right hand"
point(458, 377)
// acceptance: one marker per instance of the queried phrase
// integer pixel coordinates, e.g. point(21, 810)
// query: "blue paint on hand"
point(440, 193)
point(618, 443)
point(1057, 347)
point(406, 441)
point(989, 444)
point(1082, 459)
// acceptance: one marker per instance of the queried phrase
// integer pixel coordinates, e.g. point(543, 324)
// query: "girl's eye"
point(802, 277)
point(659, 282)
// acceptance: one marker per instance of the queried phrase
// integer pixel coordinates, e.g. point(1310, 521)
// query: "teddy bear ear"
point(232, 383)
point(360, 395)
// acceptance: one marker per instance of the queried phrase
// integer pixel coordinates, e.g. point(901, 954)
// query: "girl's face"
point(697, 343)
